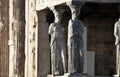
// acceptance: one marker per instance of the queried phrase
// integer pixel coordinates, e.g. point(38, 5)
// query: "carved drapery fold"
point(75, 40)
point(57, 45)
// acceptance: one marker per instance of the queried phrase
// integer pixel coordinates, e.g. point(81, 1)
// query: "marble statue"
point(75, 41)
point(58, 50)
point(117, 43)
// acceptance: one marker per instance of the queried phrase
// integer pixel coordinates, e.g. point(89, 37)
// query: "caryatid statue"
point(75, 41)
point(117, 43)
point(57, 45)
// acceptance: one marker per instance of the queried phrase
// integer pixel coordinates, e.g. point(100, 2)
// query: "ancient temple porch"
point(99, 22)
point(25, 43)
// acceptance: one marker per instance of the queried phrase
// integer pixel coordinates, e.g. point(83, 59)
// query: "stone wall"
point(100, 21)
point(101, 40)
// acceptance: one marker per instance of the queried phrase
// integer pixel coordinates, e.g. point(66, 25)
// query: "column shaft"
point(31, 39)
point(17, 38)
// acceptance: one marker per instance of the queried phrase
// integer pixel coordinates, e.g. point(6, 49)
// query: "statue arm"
point(116, 34)
point(115, 30)
point(50, 31)
point(82, 28)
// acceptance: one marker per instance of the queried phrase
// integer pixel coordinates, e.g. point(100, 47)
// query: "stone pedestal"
point(116, 75)
point(70, 75)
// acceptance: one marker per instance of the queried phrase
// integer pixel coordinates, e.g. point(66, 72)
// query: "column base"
point(116, 75)
point(70, 75)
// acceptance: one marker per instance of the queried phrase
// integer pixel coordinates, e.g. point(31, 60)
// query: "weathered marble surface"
point(76, 75)
point(43, 4)
point(57, 45)
point(70, 75)
point(75, 46)
point(117, 43)
point(17, 36)
point(75, 41)
point(117, 32)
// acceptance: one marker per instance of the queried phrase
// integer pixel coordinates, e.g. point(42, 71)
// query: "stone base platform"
point(70, 75)
point(76, 75)
point(116, 75)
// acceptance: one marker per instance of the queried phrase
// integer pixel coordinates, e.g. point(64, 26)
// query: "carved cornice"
point(104, 1)
point(76, 2)
point(50, 3)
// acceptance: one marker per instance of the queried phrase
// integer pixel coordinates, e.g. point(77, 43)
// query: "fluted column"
point(75, 39)
point(17, 38)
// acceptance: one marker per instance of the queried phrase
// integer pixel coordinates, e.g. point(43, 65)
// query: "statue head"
point(57, 13)
point(75, 9)
point(57, 17)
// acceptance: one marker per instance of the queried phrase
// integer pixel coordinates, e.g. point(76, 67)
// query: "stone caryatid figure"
point(117, 43)
point(57, 45)
point(75, 41)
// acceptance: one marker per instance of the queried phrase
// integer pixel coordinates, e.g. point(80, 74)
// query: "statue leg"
point(64, 58)
point(71, 58)
point(78, 52)
point(117, 59)
point(60, 58)
point(54, 61)
point(56, 58)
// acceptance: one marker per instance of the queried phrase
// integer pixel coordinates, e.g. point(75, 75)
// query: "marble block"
point(116, 75)
point(70, 75)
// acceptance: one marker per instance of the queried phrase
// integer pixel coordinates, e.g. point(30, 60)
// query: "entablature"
point(43, 4)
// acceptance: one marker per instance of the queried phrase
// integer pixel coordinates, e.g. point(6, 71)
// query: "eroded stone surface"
point(58, 50)
point(75, 41)
point(117, 43)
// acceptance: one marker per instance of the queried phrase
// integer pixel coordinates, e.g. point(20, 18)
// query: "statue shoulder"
point(70, 20)
point(52, 24)
point(50, 31)
point(117, 23)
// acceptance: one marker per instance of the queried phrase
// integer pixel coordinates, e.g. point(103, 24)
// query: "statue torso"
point(75, 30)
point(57, 32)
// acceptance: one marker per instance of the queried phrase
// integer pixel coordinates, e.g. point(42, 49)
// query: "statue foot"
point(56, 73)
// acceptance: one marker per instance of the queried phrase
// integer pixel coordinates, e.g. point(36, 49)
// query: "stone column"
point(17, 38)
point(75, 40)
point(43, 46)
